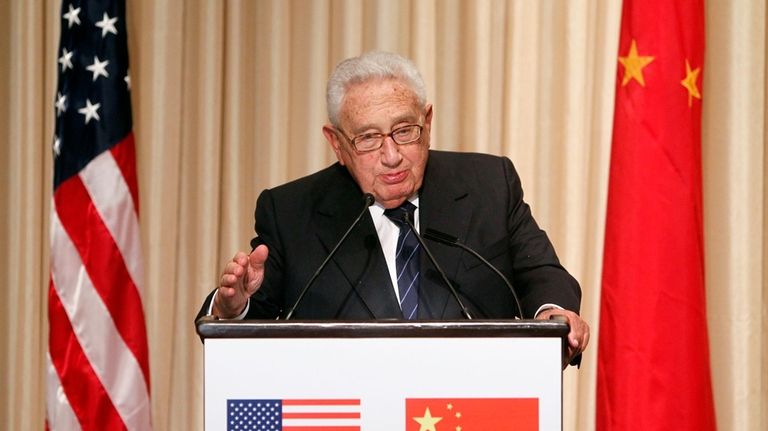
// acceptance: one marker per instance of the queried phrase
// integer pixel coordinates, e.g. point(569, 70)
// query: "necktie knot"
point(397, 215)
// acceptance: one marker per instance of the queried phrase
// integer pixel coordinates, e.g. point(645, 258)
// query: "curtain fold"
point(24, 196)
point(734, 136)
point(229, 99)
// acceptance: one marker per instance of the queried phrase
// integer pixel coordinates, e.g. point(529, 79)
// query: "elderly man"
point(379, 129)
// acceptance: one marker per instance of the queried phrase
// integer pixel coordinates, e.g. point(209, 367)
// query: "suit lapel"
point(444, 205)
point(360, 258)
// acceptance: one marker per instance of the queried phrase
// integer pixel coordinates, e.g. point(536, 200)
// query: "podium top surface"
point(379, 328)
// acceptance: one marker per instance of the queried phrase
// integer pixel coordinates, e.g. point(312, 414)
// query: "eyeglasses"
point(373, 141)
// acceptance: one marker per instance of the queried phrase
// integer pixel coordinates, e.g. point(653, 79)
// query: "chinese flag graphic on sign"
point(487, 414)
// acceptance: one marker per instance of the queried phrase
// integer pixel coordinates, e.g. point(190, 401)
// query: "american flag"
point(97, 365)
point(293, 415)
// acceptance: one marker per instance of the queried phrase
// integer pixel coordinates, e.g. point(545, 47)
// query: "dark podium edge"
point(209, 327)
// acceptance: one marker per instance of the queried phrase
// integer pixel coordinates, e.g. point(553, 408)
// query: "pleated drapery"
point(229, 98)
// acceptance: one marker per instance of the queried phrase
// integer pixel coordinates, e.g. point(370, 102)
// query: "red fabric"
point(125, 156)
point(97, 370)
point(89, 401)
point(487, 414)
point(106, 265)
point(653, 354)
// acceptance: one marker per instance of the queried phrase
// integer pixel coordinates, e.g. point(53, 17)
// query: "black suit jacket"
point(475, 197)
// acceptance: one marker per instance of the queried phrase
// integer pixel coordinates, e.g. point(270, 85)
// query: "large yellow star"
point(690, 82)
point(633, 65)
point(427, 422)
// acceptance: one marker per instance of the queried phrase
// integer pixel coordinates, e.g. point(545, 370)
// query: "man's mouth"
point(394, 178)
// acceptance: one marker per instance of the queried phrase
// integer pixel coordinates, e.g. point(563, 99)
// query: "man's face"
point(393, 172)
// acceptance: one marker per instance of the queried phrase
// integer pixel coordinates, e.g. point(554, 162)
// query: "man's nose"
point(390, 152)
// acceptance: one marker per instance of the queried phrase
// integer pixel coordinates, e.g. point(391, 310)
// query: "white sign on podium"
point(435, 381)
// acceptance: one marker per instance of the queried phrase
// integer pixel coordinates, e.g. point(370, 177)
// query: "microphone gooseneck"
point(368, 201)
point(454, 242)
point(455, 294)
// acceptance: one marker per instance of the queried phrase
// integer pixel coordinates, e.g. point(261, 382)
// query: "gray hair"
point(371, 65)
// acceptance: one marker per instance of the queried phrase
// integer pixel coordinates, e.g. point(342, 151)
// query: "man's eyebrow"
point(406, 118)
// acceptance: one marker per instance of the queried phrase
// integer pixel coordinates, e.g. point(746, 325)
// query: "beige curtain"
point(228, 98)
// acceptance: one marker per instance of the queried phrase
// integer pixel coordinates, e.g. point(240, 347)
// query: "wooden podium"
point(383, 375)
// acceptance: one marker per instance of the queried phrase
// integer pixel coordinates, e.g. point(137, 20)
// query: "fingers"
point(233, 292)
point(234, 271)
point(578, 336)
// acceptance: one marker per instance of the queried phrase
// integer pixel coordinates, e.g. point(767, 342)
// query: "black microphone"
point(368, 198)
point(455, 294)
point(454, 242)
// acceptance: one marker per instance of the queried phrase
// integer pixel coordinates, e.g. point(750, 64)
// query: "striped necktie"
point(406, 260)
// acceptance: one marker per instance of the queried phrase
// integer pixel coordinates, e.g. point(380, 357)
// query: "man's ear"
point(428, 123)
point(428, 117)
point(333, 140)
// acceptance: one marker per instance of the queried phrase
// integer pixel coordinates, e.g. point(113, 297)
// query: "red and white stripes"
point(98, 368)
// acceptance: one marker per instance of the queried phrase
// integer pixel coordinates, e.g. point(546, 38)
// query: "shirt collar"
point(377, 210)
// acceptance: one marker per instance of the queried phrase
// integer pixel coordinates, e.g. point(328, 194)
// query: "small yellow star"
point(458, 428)
point(449, 406)
point(633, 65)
point(458, 414)
point(427, 422)
point(690, 82)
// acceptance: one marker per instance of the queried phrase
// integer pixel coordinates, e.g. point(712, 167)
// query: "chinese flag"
point(487, 414)
point(653, 353)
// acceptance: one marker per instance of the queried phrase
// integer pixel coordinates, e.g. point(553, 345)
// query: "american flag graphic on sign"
point(294, 415)
point(97, 362)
